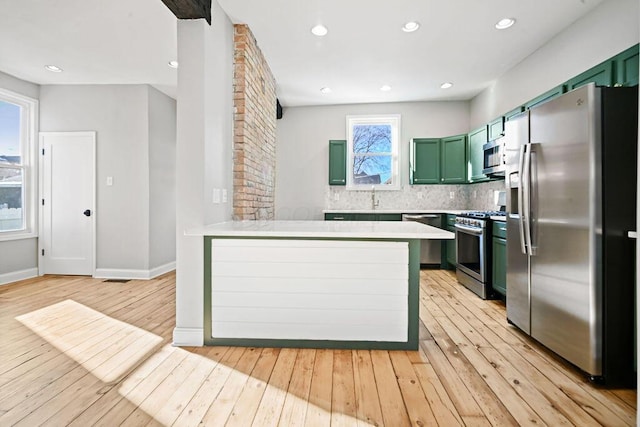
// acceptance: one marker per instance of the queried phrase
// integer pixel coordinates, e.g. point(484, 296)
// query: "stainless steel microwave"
point(494, 159)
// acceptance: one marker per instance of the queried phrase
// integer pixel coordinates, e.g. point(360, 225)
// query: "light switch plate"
point(109, 181)
point(224, 195)
point(216, 195)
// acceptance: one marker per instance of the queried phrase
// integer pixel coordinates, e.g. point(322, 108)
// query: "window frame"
point(391, 119)
point(28, 153)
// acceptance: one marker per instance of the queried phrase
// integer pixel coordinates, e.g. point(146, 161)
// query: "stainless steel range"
point(473, 251)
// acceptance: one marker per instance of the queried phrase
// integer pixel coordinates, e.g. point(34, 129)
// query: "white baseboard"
point(160, 270)
point(188, 337)
point(14, 276)
point(114, 273)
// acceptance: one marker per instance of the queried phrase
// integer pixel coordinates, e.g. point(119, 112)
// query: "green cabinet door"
point(425, 161)
point(453, 164)
point(499, 266)
point(451, 250)
point(477, 139)
point(338, 217)
point(601, 75)
point(625, 65)
point(449, 246)
point(389, 217)
point(553, 93)
point(337, 162)
point(496, 128)
point(508, 116)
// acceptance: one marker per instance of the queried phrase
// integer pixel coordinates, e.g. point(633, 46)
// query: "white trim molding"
point(113, 273)
point(15, 276)
point(188, 337)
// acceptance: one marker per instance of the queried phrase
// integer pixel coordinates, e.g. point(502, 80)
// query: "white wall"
point(205, 113)
point(135, 126)
point(302, 148)
point(162, 179)
point(606, 31)
point(119, 115)
point(18, 255)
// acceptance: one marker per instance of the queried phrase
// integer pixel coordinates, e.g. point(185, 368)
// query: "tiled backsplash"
point(475, 196)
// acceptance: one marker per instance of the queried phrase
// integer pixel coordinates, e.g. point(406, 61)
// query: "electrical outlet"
point(336, 196)
point(420, 195)
point(452, 194)
point(216, 195)
point(224, 195)
point(109, 181)
point(475, 194)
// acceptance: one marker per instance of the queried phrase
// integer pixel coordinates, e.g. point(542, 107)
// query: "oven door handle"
point(469, 230)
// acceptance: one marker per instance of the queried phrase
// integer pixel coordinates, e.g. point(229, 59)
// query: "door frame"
point(42, 235)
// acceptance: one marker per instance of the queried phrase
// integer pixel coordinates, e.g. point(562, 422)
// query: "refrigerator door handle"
point(526, 179)
point(521, 196)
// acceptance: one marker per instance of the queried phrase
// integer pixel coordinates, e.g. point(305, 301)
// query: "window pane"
point(372, 138)
point(11, 196)
point(371, 170)
point(9, 133)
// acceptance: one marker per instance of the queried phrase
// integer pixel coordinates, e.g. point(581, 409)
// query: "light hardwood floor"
point(80, 351)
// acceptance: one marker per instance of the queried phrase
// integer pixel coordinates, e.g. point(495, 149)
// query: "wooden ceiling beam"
point(190, 9)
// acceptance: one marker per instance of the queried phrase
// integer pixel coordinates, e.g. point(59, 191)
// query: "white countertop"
point(394, 211)
point(323, 229)
point(499, 218)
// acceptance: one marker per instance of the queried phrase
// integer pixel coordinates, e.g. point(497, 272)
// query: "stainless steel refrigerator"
point(571, 201)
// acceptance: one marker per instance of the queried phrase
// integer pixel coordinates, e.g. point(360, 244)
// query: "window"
point(373, 152)
point(17, 150)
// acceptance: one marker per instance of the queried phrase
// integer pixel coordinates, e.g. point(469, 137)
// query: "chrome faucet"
point(374, 203)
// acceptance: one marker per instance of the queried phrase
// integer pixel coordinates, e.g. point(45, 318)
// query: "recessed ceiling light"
point(53, 68)
point(319, 30)
point(385, 88)
point(410, 26)
point(505, 23)
point(325, 90)
point(446, 85)
point(173, 64)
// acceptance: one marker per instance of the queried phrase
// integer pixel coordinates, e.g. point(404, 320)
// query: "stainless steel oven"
point(473, 250)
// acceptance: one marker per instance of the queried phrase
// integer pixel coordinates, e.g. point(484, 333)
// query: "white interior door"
point(67, 220)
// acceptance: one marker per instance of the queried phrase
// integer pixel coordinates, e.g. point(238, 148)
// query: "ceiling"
point(93, 41)
point(131, 41)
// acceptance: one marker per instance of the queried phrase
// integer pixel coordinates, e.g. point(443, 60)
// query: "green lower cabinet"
point(361, 217)
point(499, 266)
point(338, 217)
point(450, 245)
point(389, 217)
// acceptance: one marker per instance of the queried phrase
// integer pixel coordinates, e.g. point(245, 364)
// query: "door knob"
point(87, 212)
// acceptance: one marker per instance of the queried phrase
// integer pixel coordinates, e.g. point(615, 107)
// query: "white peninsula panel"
point(289, 289)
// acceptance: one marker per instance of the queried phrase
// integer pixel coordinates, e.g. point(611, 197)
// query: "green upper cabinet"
point(553, 93)
point(508, 116)
point(601, 75)
point(425, 161)
point(496, 129)
point(453, 161)
point(439, 161)
point(477, 139)
point(625, 65)
point(337, 162)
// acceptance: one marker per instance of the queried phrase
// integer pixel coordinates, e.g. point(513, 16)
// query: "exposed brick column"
point(254, 152)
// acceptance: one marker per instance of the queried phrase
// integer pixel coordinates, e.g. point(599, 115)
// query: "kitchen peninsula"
point(315, 284)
